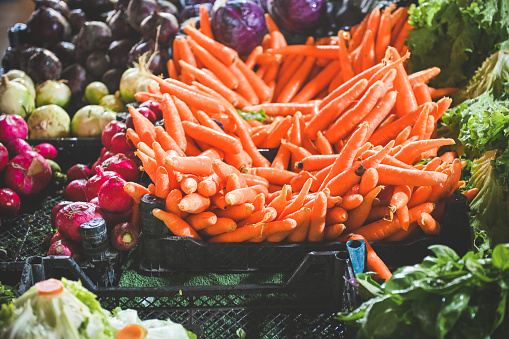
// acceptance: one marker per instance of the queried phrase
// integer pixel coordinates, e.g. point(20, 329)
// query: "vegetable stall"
point(255, 169)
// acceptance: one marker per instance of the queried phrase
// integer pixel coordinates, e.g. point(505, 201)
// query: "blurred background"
point(12, 12)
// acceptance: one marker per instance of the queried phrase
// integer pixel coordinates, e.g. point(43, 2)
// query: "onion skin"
point(27, 174)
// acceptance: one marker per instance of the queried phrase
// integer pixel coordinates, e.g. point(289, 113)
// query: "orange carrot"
point(264, 215)
point(317, 83)
point(252, 180)
point(143, 127)
point(240, 234)
point(390, 175)
point(135, 190)
point(133, 136)
point(167, 142)
point(373, 261)
point(412, 151)
point(219, 201)
point(315, 51)
point(297, 203)
point(423, 76)
point(162, 182)
point(336, 215)
point(368, 182)
point(471, 194)
point(212, 137)
point(428, 224)
point(131, 331)
point(222, 52)
point(146, 149)
point(419, 196)
point(323, 145)
point(317, 218)
point(201, 220)
point(406, 100)
point(171, 203)
point(189, 183)
point(223, 225)
point(198, 165)
point(358, 215)
point(383, 35)
point(246, 194)
point(274, 137)
point(194, 203)
point(262, 90)
point(244, 88)
point(172, 122)
point(296, 81)
point(421, 92)
point(332, 232)
point(205, 27)
point(149, 164)
point(274, 175)
point(175, 224)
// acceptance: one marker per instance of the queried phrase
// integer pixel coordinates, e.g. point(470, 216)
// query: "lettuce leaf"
point(465, 32)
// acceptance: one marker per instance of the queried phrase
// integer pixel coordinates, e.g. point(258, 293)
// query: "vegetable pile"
point(445, 296)
point(64, 309)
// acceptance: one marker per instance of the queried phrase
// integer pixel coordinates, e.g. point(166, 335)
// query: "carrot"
point(334, 108)
point(171, 203)
point(419, 196)
point(366, 55)
point(212, 137)
point(232, 183)
point(280, 201)
point(274, 175)
point(390, 131)
point(283, 109)
point(205, 27)
point(195, 98)
point(222, 225)
point(443, 105)
point(368, 182)
point(189, 184)
point(49, 286)
point(298, 182)
point(133, 136)
point(260, 87)
point(373, 261)
point(172, 122)
point(149, 164)
point(348, 120)
point(347, 71)
point(383, 35)
point(135, 191)
point(358, 215)
point(245, 194)
point(336, 215)
point(390, 175)
point(167, 142)
point(316, 162)
point(146, 149)
point(143, 127)
point(314, 51)
point(274, 137)
point(298, 153)
point(406, 100)
point(222, 52)
point(323, 145)
point(332, 232)
point(401, 37)
point(297, 203)
point(317, 218)
point(296, 81)
point(428, 224)
point(400, 197)
point(412, 151)
point(401, 235)
point(471, 194)
point(263, 215)
point(423, 76)
point(403, 136)
point(131, 331)
point(194, 203)
point(172, 70)
point(421, 92)
point(175, 224)
point(198, 165)
point(224, 170)
point(162, 182)
point(317, 83)
point(277, 226)
point(240, 234)
point(201, 220)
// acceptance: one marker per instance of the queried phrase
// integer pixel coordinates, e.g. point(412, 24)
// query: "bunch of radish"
point(98, 192)
point(25, 171)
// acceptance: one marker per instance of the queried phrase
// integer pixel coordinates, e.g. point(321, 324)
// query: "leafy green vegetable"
point(464, 31)
point(445, 296)
point(6, 294)
point(260, 115)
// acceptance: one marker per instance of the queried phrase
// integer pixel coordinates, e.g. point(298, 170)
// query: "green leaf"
point(444, 253)
point(368, 287)
point(452, 307)
point(260, 115)
point(500, 312)
point(241, 333)
point(500, 256)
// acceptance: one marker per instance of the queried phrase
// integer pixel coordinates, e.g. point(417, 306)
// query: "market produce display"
point(375, 120)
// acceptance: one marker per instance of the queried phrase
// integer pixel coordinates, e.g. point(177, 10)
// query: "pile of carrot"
point(351, 134)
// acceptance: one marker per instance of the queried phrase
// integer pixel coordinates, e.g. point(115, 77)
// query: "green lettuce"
point(456, 36)
point(445, 296)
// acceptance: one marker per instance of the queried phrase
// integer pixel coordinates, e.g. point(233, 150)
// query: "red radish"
point(94, 166)
point(148, 113)
point(95, 182)
point(18, 146)
point(9, 203)
point(124, 166)
point(75, 190)
point(112, 128)
point(47, 150)
point(120, 144)
point(27, 174)
point(4, 156)
point(154, 107)
point(103, 151)
point(124, 236)
point(57, 236)
point(12, 126)
point(113, 219)
point(57, 208)
point(70, 217)
point(107, 155)
point(66, 248)
point(95, 201)
point(78, 171)
point(129, 122)
point(113, 198)
point(131, 155)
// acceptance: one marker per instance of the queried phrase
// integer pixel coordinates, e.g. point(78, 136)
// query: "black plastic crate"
point(287, 310)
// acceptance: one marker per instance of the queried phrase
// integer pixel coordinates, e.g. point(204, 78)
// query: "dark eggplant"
point(119, 51)
point(168, 24)
point(97, 63)
point(46, 27)
point(44, 65)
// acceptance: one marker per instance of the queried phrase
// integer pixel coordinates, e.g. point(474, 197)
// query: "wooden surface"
point(12, 12)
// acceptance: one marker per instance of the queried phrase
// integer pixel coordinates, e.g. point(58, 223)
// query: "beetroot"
point(70, 217)
point(57, 208)
point(9, 203)
point(124, 236)
point(27, 174)
point(95, 182)
point(47, 150)
point(4, 157)
point(112, 128)
point(78, 171)
point(18, 146)
point(122, 165)
point(113, 219)
point(75, 190)
point(113, 198)
point(154, 107)
point(12, 126)
point(120, 144)
point(66, 248)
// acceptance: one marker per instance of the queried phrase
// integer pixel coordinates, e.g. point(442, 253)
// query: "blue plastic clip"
point(357, 251)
